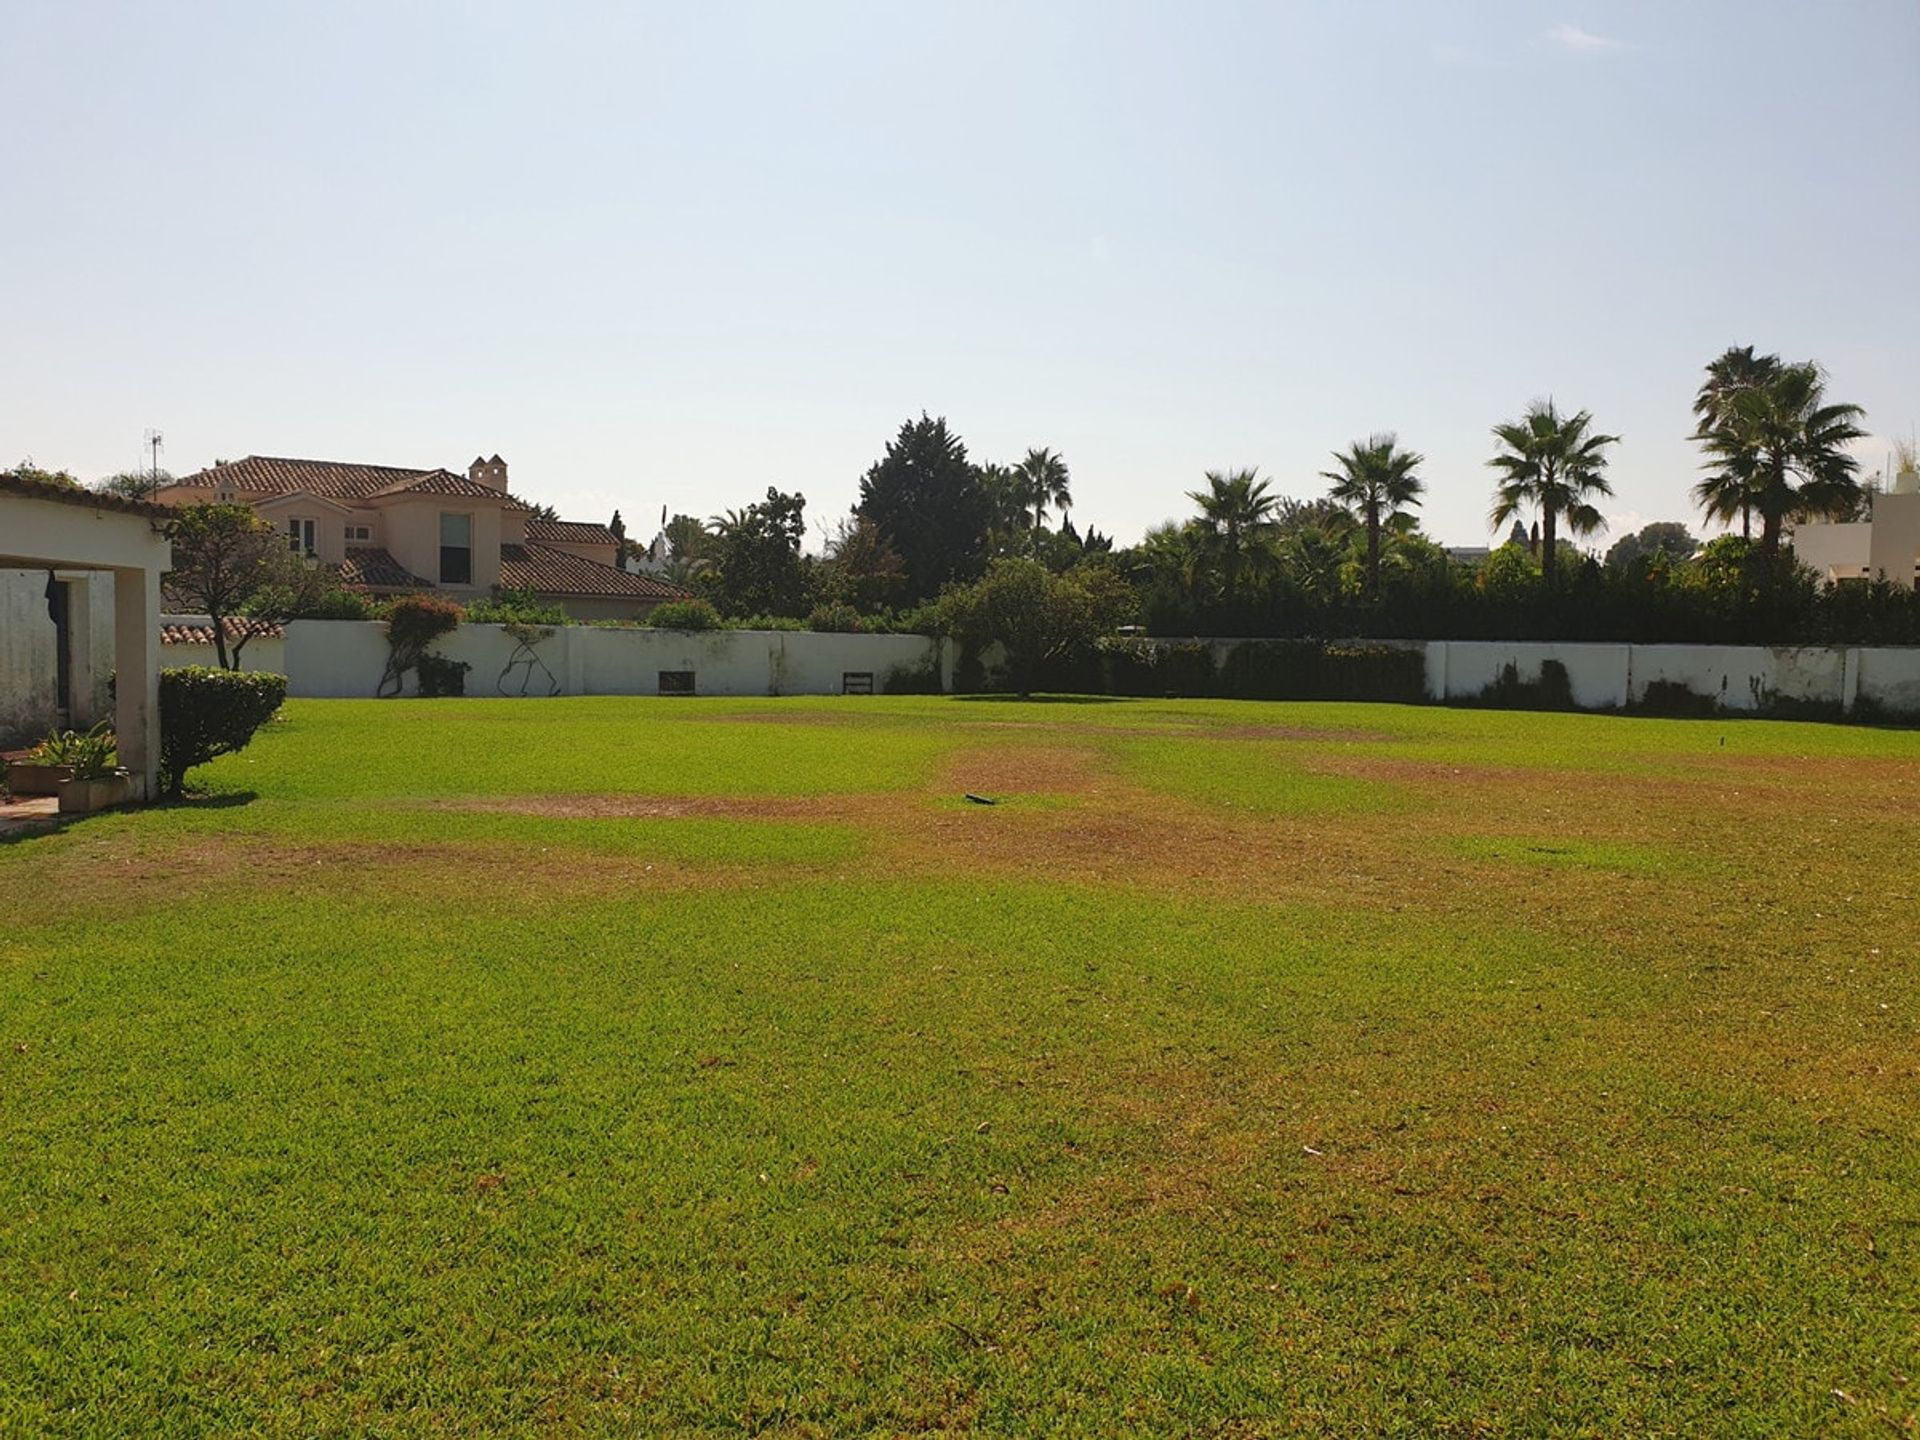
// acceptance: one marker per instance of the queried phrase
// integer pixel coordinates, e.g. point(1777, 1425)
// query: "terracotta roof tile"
point(275, 475)
point(72, 495)
point(547, 571)
point(233, 625)
point(368, 567)
point(573, 532)
point(444, 482)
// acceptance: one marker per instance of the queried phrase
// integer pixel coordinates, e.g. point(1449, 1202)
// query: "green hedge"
point(206, 713)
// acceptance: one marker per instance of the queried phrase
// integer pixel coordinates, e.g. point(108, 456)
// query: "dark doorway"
point(60, 611)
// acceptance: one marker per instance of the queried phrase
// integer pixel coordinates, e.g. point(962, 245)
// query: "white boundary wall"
point(1738, 677)
point(344, 658)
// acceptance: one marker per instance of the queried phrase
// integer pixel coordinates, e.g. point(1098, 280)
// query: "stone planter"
point(26, 779)
point(83, 797)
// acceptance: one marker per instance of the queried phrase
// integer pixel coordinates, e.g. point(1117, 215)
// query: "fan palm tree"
point(1779, 447)
point(1044, 484)
point(1236, 510)
point(1376, 478)
point(1552, 463)
point(1737, 369)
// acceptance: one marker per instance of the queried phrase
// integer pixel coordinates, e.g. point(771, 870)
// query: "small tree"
point(761, 572)
point(413, 624)
point(1036, 615)
point(206, 713)
point(225, 557)
point(134, 484)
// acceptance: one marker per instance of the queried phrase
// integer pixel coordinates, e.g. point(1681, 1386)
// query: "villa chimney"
point(491, 473)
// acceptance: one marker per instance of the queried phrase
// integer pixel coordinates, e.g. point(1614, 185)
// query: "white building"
point(1886, 546)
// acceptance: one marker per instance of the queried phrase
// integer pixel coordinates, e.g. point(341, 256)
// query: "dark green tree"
point(930, 505)
point(1662, 537)
point(758, 557)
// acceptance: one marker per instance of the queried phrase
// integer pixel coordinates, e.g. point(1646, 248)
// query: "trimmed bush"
point(836, 619)
point(1310, 670)
point(684, 615)
point(207, 712)
point(441, 676)
point(413, 623)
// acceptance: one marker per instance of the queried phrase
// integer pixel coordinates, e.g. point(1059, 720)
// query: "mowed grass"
point(712, 1067)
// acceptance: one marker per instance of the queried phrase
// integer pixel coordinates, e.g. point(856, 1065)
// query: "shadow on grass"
point(56, 824)
point(1049, 699)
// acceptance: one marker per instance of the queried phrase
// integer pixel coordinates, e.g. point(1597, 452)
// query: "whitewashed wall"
point(29, 675)
point(262, 652)
point(346, 658)
point(1741, 678)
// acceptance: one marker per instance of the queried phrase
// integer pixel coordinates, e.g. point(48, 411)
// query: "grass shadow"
point(1049, 699)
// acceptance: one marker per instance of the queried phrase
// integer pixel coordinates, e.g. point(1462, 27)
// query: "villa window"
point(359, 533)
point(456, 549)
point(300, 537)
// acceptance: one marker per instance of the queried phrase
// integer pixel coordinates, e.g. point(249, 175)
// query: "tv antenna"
point(154, 443)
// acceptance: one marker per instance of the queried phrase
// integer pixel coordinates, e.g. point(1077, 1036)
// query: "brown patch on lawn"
point(663, 807)
point(1022, 770)
point(1303, 733)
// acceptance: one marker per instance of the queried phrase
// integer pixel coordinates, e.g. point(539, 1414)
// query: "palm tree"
point(1777, 446)
point(1236, 511)
point(1551, 463)
point(1376, 478)
point(1043, 484)
point(1737, 369)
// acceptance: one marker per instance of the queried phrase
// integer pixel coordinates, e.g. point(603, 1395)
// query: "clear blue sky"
point(674, 254)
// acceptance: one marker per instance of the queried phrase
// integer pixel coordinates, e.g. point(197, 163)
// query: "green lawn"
point(631, 1067)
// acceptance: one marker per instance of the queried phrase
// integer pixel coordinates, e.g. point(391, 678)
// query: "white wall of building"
point(29, 668)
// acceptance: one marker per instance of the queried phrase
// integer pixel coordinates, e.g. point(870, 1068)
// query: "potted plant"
point(41, 769)
point(98, 781)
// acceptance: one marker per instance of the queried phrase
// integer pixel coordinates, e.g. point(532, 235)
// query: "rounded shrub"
point(206, 713)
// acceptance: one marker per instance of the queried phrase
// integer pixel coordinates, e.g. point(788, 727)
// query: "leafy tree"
point(1553, 463)
point(134, 484)
point(1377, 479)
point(542, 512)
point(1662, 537)
point(27, 470)
point(688, 539)
point(1236, 515)
point(861, 569)
point(1044, 484)
point(930, 504)
point(1778, 446)
point(1509, 575)
point(758, 557)
point(224, 558)
point(1036, 615)
point(619, 529)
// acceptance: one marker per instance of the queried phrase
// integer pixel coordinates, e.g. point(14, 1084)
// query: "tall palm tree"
point(1044, 484)
point(1550, 462)
point(1237, 511)
point(1780, 445)
point(1376, 478)
point(1736, 370)
point(1007, 517)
